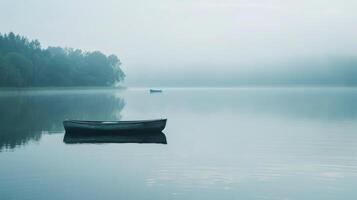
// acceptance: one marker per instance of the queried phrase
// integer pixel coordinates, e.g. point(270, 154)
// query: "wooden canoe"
point(142, 126)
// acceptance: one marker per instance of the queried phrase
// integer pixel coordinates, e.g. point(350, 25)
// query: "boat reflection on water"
point(100, 137)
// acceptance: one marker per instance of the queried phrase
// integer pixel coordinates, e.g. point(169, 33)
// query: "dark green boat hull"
point(142, 126)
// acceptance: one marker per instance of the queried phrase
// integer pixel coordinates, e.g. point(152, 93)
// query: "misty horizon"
point(222, 42)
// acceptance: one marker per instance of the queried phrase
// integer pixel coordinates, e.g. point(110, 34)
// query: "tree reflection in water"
point(26, 116)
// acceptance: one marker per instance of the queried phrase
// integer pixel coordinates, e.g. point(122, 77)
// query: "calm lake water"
point(244, 143)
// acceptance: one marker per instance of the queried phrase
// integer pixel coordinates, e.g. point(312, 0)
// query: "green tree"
point(25, 63)
point(18, 69)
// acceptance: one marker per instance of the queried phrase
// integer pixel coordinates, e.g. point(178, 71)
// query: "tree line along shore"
point(24, 63)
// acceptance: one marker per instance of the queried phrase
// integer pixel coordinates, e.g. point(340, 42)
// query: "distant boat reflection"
point(78, 138)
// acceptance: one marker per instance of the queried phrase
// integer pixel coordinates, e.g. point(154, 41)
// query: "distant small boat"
point(75, 138)
point(141, 126)
point(155, 91)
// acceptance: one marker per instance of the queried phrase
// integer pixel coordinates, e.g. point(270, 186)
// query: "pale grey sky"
point(176, 39)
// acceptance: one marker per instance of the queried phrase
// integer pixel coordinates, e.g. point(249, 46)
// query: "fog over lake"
point(199, 43)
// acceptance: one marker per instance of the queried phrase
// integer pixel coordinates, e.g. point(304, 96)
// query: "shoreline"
point(121, 88)
point(63, 88)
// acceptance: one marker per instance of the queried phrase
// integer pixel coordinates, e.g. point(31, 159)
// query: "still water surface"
point(243, 143)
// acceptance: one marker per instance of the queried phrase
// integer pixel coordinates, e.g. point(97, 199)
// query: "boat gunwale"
point(113, 122)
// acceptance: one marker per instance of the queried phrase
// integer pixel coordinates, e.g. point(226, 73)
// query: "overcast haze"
point(192, 42)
